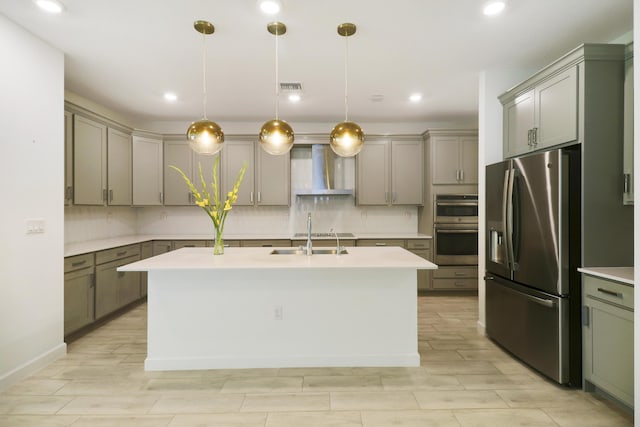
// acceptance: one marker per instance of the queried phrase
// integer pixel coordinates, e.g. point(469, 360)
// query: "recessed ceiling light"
point(51, 6)
point(415, 97)
point(170, 96)
point(493, 7)
point(294, 97)
point(270, 7)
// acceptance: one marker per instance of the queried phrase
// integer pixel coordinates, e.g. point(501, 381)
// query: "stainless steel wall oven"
point(456, 229)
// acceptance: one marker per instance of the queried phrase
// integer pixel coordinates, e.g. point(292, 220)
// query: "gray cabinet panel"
point(147, 171)
point(178, 154)
point(68, 158)
point(118, 168)
point(273, 179)
point(89, 161)
point(407, 165)
point(115, 289)
point(236, 154)
point(373, 174)
point(78, 299)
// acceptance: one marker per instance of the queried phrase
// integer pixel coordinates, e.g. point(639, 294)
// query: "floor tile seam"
point(457, 412)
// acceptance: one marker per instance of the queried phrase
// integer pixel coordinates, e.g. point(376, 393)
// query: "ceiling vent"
point(291, 87)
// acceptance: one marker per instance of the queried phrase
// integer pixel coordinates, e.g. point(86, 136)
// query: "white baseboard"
point(32, 366)
point(481, 328)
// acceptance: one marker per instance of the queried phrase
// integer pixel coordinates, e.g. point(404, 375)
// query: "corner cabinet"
point(607, 335)
point(454, 156)
point(267, 180)
point(390, 173)
point(147, 171)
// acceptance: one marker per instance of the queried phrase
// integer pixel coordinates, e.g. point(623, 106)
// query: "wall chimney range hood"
point(323, 174)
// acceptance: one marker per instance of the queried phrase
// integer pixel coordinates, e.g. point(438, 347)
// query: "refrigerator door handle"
point(541, 301)
point(507, 218)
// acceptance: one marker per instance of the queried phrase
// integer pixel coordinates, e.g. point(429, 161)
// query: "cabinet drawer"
point(419, 244)
point(161, 246)
point(426, 254)
point(443, 284)
point(380, 242)
point(177, 244)
point(117, 253)
point(281, 243)
point(227, 243)
point(77, 262)
point(609, 291)
point(455, 272)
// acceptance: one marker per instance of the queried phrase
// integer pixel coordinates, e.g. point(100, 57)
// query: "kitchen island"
point(250, 308)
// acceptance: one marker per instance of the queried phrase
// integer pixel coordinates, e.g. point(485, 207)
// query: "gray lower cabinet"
point(422, 248)
point(177, 244)
point(115, 289)
point(79, 292)
point(282, 243)
point(455, 278)
point(607, 334)
point(161, 246)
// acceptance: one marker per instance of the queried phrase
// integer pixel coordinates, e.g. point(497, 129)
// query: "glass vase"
point(218, 245)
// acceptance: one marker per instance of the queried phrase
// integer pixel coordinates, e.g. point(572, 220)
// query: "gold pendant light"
point(346, 138)
point(205, 136)
point(276, 136)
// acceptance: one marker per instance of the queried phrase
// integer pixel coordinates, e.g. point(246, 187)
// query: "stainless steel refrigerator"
point(533, 252)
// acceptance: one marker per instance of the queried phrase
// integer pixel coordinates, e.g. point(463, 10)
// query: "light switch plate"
point(35, 226)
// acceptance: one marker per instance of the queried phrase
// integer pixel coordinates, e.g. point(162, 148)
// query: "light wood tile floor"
point(464, 381)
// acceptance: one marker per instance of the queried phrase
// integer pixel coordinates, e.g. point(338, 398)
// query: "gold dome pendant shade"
point(346, 138)
point(204, 136)
point(276, 136)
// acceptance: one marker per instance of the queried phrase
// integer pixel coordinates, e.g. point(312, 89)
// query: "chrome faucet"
point(337, 241)
point(309, 249)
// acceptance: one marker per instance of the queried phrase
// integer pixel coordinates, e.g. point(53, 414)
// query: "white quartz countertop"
point(619, 274)
point(71, 249)
point(261, 258)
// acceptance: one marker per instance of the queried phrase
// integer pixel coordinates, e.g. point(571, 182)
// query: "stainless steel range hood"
point(323, 181)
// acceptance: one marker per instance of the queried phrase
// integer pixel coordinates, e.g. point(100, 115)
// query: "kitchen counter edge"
point(618, 274)
point(79, 248)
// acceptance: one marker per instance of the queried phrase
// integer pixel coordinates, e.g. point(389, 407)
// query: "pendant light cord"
point(204, 77)
point(346, 78)
point(277, 77)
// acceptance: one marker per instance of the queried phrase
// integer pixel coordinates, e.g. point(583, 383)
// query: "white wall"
point(492, 84)
point(32, 176)
point(636, 212)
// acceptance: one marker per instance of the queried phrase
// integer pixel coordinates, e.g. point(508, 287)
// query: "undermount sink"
point(298, 251)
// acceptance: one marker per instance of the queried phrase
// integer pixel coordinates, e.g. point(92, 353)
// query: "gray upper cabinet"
point(372, 165)
point(234, 155)
point(273, 179)
point(407, 172)
point(267, 180)
point(544, 116)
point(454, 157)
point(119, 168)
point(178, 153)
point(627, 196)
point(68, 158)
point(390, 173)
point(89, 161)
point(147, 171)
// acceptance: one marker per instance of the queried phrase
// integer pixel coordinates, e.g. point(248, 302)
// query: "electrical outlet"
point(277, 312)
point(35, 226)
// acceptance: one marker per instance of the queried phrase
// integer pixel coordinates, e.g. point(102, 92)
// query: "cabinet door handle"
point(92, 279)
point(529, 137)
point(111, 195)
point(79, 263)
point(251, 197)
point(381, 244)
point(459, 274)
point(161, 197)
point(627, 183)
point(386, 197)
point(585, 315)
point(461, 175)
point(259, 197)
point(608, 292)
point(534, 140)
point(68, 193)
point(393, 196)
point(123, 253)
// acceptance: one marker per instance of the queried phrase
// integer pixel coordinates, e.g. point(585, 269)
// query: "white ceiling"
point(124, 54)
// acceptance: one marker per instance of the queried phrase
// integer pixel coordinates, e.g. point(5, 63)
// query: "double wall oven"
point(456, 229)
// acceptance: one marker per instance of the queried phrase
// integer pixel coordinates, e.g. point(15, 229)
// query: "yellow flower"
point(230, 194)
point(202, 203)
point(214, 214)
point(227, 205)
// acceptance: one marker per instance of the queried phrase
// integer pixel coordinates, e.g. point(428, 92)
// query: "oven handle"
point(455, 230)
point(456, 204)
